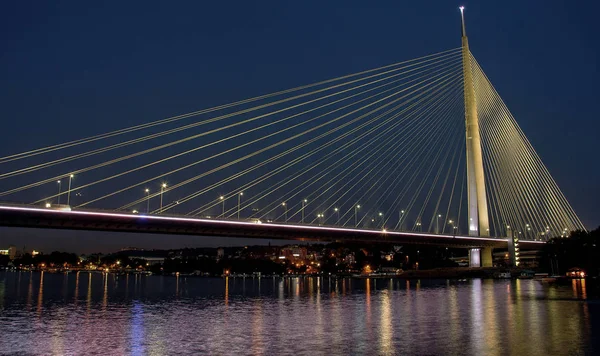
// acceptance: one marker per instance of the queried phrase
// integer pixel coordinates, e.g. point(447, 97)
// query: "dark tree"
point(581, 249)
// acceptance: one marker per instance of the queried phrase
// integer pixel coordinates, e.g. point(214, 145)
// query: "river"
point(93, 313)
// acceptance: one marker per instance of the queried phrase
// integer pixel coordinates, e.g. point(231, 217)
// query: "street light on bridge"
point(437, 224)
point(304, 201)
point(356, 215)
point(147, 201)
point(239, 203)
point(222, 198)
point(400, 216)
point(337, 213)
point(69, 191)
point(284, 211)
point(58, 198)
point(162, 189)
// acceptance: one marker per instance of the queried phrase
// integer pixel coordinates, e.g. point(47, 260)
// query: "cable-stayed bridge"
point(420, 151)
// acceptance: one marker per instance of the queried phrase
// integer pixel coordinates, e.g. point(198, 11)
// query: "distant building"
point(350, 259)
point(132, 249)
point(152, 260)
point(11, 252)
point(151, 257)
point(388, 256)
point(292, 253)
point(390, 270)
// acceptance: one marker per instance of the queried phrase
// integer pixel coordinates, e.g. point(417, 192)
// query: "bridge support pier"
point(480, 257)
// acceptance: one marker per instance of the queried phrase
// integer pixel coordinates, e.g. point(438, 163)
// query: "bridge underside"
point(35, 217)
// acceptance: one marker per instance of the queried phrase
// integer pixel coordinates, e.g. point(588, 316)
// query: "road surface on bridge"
point(97, 220)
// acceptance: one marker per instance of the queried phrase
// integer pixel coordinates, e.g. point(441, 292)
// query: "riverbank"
point(457, 272)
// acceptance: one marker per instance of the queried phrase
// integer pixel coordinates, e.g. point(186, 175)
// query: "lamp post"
point(58, 198)
point(451, 222)
point(147, 200)
point(381, 219)
point(400, 216)
point(284, 211)
point(222, 198)
point(356, 215)
point(239, 203)
point(337, 213)
point(437, 224)
point(320, 218)
point(304, 201)
point(69, 192)
point(419, 226)
point(162, 189)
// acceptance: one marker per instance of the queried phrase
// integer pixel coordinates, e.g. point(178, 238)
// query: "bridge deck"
point(97, 220)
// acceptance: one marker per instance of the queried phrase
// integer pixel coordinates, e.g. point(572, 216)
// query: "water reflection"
point(2, 287)
point(30, 290)
point(490, 316)
point(454, 322)
point(40, 294)
point(258, 336)
point(137, 329)
point(76, 297)
point(385, 336)
point(169, 315)
point(105, 295)
point(477, 321)
point(226, 290)
point(578, 286)
point(89, 293)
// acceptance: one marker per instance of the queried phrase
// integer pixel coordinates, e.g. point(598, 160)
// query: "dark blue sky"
point(75, 69)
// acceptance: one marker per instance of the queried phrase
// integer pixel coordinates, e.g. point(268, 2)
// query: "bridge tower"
point(478, 211)
point(477, 200)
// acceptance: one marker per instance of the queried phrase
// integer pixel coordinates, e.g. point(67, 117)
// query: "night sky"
point(76, 69)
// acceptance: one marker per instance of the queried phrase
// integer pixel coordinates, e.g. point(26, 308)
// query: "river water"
point(92, 313)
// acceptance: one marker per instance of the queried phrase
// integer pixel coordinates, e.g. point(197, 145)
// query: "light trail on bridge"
point(114, 221)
